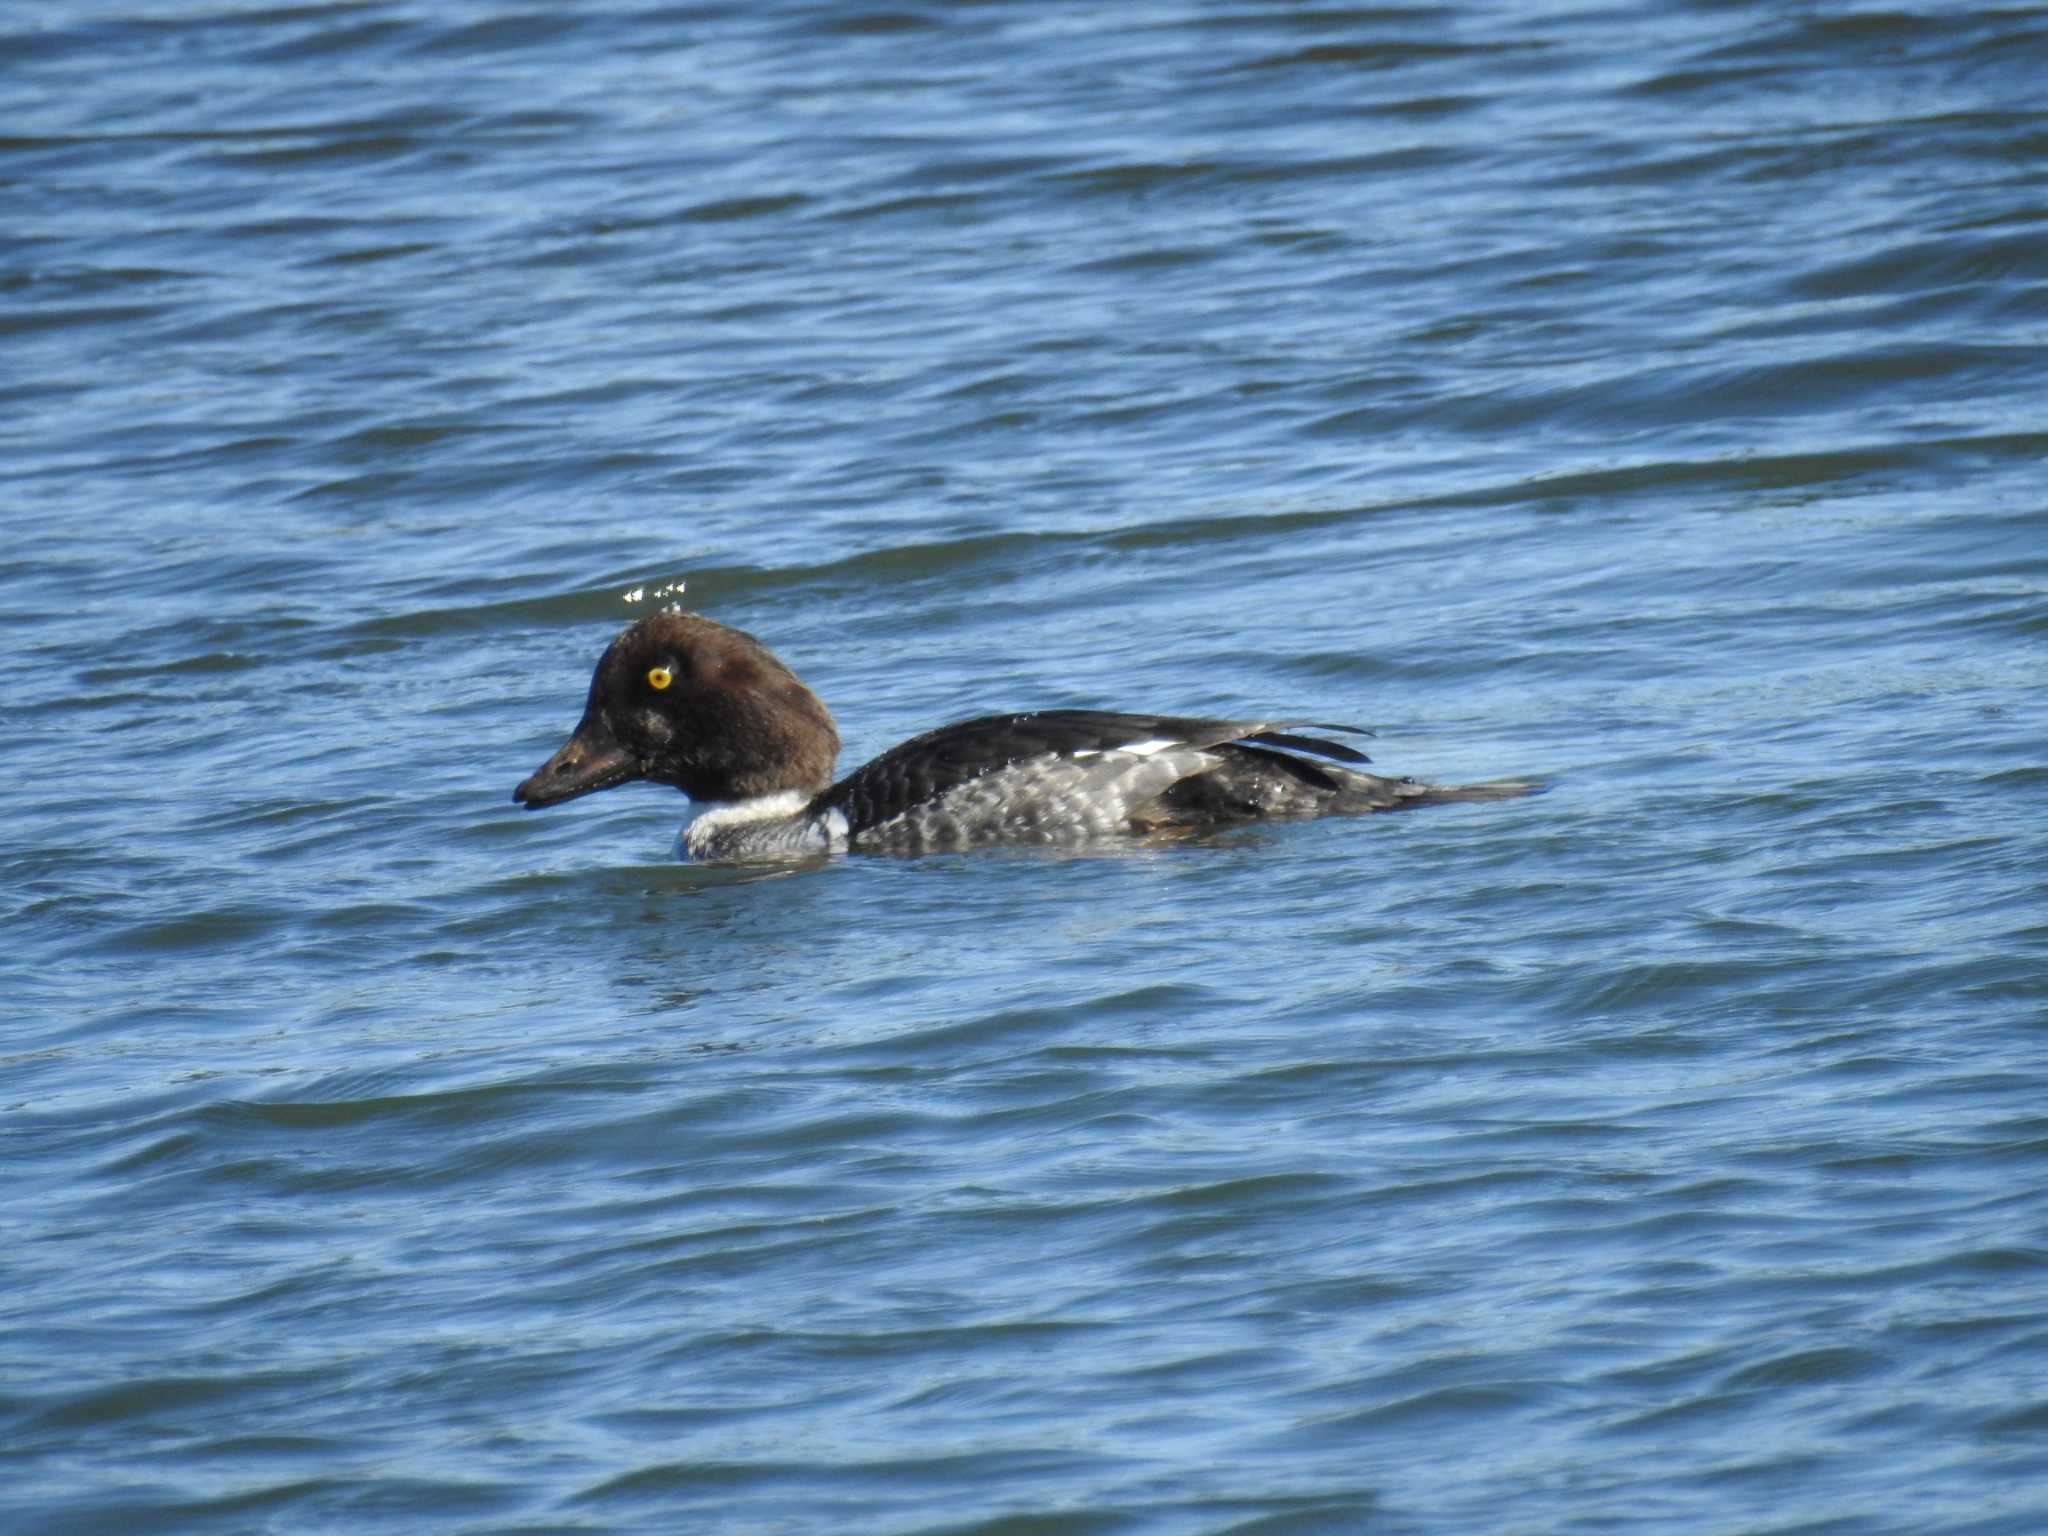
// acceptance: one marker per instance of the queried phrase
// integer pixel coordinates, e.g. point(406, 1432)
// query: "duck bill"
point(588, 761)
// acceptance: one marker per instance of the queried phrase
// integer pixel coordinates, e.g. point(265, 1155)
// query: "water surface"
point(1642, 398)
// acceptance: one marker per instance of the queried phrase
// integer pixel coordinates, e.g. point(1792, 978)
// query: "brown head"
point(683, 700)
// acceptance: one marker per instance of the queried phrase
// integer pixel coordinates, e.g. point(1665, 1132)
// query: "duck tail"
point(1451, 794)
point(1357, 792)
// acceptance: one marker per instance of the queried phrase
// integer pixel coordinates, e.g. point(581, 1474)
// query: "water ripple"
point(1636, 398)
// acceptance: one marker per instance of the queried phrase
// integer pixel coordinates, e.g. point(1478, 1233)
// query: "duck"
point(681, 699)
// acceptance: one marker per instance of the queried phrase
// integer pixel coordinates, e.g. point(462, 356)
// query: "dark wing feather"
point(1309, 744)
point(927, 766)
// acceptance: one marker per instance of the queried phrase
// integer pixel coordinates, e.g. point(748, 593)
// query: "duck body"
point(684, 700)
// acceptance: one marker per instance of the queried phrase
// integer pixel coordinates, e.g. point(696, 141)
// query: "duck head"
point(681, 699)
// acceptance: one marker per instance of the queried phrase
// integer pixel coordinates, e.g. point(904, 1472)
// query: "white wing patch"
point(1135, 748)
point(1147, 748)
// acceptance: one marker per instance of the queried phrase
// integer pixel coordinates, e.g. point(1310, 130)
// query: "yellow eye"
point(659, 677)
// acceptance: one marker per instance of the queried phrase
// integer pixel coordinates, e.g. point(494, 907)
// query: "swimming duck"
point(682, 699)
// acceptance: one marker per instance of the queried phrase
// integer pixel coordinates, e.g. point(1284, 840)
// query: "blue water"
point(1643, 398)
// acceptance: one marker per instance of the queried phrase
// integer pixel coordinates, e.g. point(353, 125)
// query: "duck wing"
point(1041, 772)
